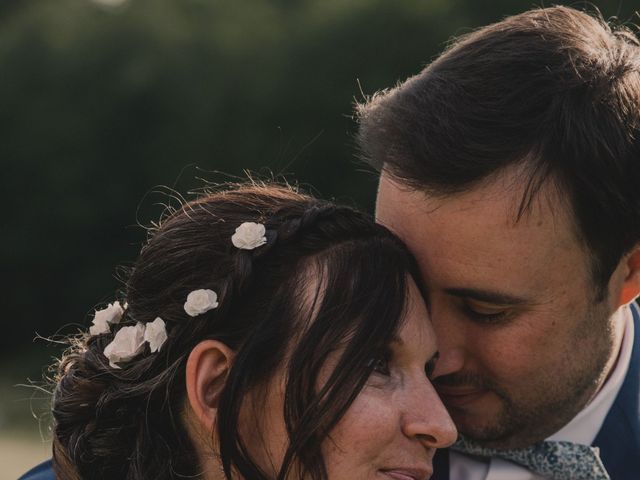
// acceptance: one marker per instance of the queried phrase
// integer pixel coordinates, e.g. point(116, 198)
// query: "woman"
point(263, 334)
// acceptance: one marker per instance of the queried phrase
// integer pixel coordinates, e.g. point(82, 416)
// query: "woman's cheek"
point(366, 428)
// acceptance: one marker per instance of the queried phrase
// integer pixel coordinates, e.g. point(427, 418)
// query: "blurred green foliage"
point(100, 104)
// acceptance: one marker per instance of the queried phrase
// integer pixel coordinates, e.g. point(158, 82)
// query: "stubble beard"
point(540, 411)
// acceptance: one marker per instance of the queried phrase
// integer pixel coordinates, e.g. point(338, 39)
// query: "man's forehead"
point(508, 197)
point(474, 240)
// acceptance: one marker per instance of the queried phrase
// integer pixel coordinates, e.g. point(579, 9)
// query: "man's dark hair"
point(555, 90)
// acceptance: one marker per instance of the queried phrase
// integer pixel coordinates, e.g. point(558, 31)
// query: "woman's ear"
point(631, 284)
point(207, 368)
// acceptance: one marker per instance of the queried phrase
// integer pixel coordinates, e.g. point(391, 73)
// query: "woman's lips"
point(408, 473)
point(459, 396)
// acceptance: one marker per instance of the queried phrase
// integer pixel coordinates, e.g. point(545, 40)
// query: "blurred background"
point(106, 106)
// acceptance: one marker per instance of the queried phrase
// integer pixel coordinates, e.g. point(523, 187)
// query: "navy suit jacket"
point(41, 472)
point(619, 437)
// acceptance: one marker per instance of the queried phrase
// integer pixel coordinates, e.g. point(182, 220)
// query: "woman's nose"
point(426, 418)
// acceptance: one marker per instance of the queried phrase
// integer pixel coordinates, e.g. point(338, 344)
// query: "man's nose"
point(426, 419)
point(450, 361)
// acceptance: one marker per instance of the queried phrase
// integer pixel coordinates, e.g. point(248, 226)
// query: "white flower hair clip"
point(129, 341)
point(103, 318)
point(249, 235)
point(155, 334)
point(200, 301)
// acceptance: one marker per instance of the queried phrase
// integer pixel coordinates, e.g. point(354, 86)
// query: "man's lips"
point(408, 473)
point(459, 396)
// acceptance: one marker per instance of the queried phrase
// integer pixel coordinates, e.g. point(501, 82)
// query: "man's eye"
point(485, 315)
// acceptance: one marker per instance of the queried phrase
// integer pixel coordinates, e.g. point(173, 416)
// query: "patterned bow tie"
point(554, 460)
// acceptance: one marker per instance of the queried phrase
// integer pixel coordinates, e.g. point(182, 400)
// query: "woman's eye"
point(380, 364)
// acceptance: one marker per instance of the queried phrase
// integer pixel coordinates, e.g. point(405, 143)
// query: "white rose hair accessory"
point(101, 320)
point(155, 334)
point(200, 301)
point(249, 235)
point(128, 343)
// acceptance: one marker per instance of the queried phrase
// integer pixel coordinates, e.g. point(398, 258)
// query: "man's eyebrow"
point(498, 298)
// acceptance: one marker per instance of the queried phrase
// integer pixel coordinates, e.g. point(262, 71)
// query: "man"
point(511, 168)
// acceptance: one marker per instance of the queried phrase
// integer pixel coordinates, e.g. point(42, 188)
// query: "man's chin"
point(491, 432)
point(482, 430)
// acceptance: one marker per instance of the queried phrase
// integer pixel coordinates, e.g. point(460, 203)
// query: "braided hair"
point(128, 423)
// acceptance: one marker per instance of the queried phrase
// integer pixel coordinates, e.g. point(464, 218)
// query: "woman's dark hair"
point(554, 89)
point(328, 278)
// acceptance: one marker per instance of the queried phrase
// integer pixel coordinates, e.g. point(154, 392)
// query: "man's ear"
point(631, 284)
point(207, 368)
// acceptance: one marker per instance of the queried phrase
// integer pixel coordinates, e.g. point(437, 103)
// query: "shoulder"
point(44, 471)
